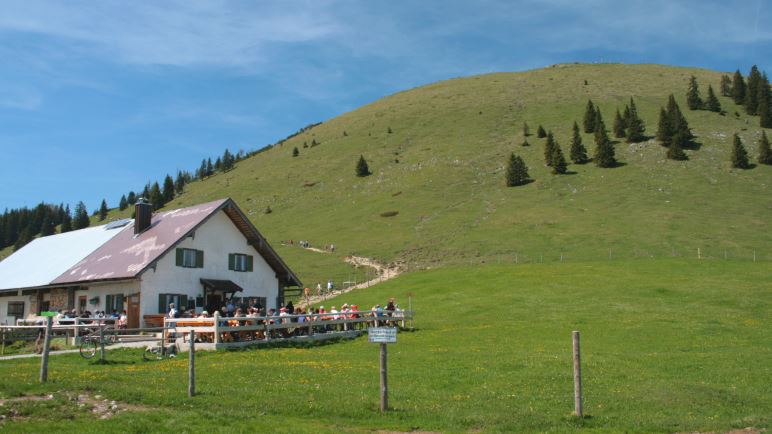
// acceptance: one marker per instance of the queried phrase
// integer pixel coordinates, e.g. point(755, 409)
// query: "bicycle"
point(91, 342)
point(159, 351)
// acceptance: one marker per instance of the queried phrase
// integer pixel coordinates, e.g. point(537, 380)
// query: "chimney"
point(143, 212)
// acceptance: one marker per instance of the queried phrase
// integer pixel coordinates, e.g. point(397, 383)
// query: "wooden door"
point(133, 311)
point(81, 304)
point(213, 303)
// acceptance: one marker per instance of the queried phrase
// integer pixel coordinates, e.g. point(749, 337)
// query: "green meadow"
point(667, 345)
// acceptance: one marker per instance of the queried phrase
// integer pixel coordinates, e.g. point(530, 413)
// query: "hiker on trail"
point(318, 289)
point(329, 285)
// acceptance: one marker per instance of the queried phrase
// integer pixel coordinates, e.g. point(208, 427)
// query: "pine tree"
point(123, 203)
point(362, 168)
point(693, 100)
point(589, 118)
point(664, 130)
point(168, 189)
point(765, 153)
point(209, 167)
point(739, 154)
point(25, 237)
point(517, 171)
point(712, 102)
point(526, 130)
point(678, 122)
point(635, 126)
point(726, 85)
point(765, 103)
point(179, 183)
point(540, 133)
point(738, 88)
point(619, 125)
point(752, 91)
point(202, 170)
point(626, 115)
point(675, 151)
point(558, 161)
point(227, 160)
point(81, 219)
point(131, 198)
point(549, 147)
point(604, 151)
point(47, 226)
point(295, 152)
point(218, 165)
point(66, 221)
point(578, 153)
point(103, 210)
point(156, 197)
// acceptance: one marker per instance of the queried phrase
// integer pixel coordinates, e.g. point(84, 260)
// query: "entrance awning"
point(225, 286)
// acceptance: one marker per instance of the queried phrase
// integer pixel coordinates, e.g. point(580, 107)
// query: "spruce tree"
point(765, 154)
point(619, 125)
point(201, 170)
point(604, 151)
point(131, 198)
point(693, 99)
point(577, 152)
point(589, 118)
point(765, 103)
point(66, 221)
point(558, 161)
point(626, 115)
point(526, 130)
point(227, 160)
point(209, 167)
point(664, 130)
point(675, 151)
point(549, 147)
point(103, 210)
point(81, 219)
point(123, 203)
point(739, 154)
point(540, 133)
point(47, 226)
point(156, 197)
point(752, 91)
point(726, 85)
point(168, 189)
point(712, 102)
point(218, 165)
point(295, 151)
point(179, 183)
point(362, 168)
point(635, 126)
point(738, 88)
point(517, 172)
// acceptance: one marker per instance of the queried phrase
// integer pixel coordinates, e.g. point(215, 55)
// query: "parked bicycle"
point(92, 341)
point(159, 351)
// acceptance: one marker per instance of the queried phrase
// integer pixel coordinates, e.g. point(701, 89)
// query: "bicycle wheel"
point(88, 348)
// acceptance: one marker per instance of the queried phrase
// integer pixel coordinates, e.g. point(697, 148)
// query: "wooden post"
point(699, 254)
point(101, 343)
point(75, 332)
point(46, 344)
point(192, 365)
point(384, 382)
point(577, 376)
point(216, 327)
point(410, 308)
point(2, 352)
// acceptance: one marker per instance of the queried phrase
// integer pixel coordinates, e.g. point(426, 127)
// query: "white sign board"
point(382, 335)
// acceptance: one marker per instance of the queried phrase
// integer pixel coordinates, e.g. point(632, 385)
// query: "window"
point(113, 303)
point(190, 258)
point(179, 300)
point(16, 309)
point(240, 262)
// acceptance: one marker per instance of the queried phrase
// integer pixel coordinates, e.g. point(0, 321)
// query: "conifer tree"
point(635, 126)
point(218, 165)
point(540, 133)
point(589, 118)
point(517, 171)
point(295, 152)
point(168, 189)
point(179, 183)
point(726, 85)
point(227, 160)
point(739, 154)
point(201, 170)
point(577, 152)
point(765, 103)
point(752, 91)
point(738, 88)
point(558, 161)
point(675, 151)
point(47, 226)
point(678, 122)
point(526, 130)
point(362, 168)
point(81, 219)
point(103, 210)
point(712, 102)
point(626, 115)
point(66, 221)
point(765, 153)
point(604, 151)
point(619, 125)
point(664, 130)
point(156, 197)
point(693, 100)
point(131, 198)
point(549, 147)
point(25, 237)
point(209, 167)
point(123, 203)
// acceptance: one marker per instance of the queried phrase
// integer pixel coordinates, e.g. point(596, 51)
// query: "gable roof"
point(124, 255)
point(45, 258)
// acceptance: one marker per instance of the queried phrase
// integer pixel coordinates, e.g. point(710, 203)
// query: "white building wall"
point(217, 237)
point(102, 290)
point(4, 319)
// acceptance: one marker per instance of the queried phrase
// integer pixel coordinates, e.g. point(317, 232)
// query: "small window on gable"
point(190, 258)
point(240, 262)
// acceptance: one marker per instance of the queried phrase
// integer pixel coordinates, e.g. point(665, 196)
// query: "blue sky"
point(97, 98)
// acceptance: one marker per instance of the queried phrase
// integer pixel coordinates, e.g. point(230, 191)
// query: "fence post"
point(192, 365)
point(384, 380)
point(2, 351)
point(577, 375)
point(46, 345)
point(75, 332)
point(216, 327)
point(101, 343)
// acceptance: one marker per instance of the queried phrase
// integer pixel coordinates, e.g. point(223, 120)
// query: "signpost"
point(383, 336)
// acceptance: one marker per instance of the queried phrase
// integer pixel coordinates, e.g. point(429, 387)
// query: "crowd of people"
point(64, 316)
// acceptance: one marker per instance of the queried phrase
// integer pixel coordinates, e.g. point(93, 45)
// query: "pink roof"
point(126, 255)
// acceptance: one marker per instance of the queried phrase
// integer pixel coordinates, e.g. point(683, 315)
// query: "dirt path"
point(383, 272)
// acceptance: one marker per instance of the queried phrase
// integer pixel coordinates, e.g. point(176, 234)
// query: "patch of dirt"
point(748, 430)
point(97, 405)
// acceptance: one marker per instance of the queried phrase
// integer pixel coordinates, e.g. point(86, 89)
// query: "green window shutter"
point(179, 257)
point(199, 259)
point(162, 302)
point(118, 303)
point(108, 304)
point(250, 261)
point(231, 261)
